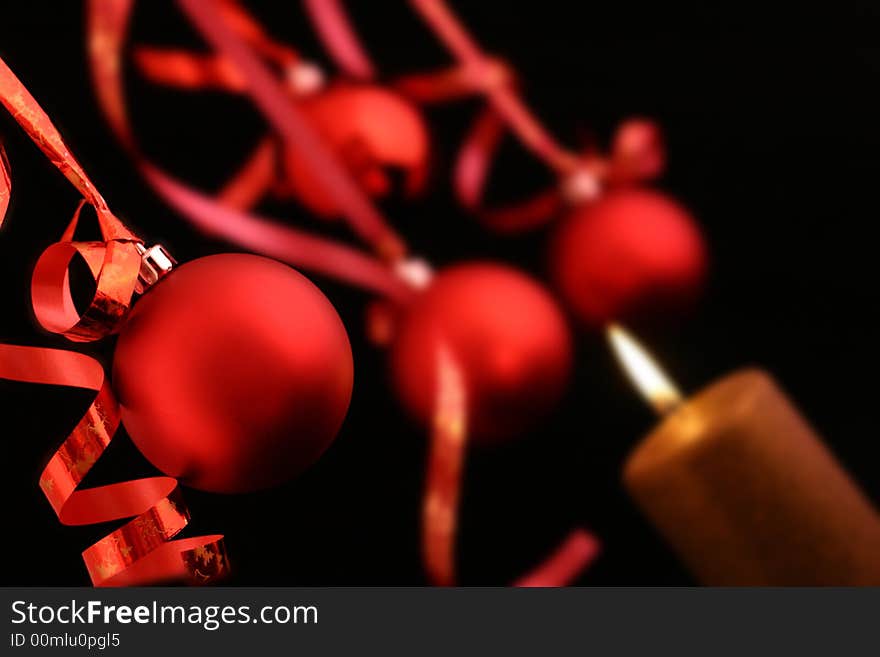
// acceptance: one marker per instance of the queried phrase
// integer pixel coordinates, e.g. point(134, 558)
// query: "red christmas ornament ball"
point(635, 251)
point(506, 333)
point(371, 130)
point(233, 373)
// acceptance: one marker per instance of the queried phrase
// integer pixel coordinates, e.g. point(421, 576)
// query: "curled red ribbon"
point(139, 552)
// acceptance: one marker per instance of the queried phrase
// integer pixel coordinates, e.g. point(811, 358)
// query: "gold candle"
point(743, 488)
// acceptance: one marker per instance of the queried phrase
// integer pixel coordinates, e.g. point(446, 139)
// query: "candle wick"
point(665, 405)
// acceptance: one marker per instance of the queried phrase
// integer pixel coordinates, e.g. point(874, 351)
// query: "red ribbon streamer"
point(444, 475)
point(562, 567)
point(503, 98)
point(187, 70)
point(107, 30)
point(443, 485)
point(139, 552)
point(448, 84)
point(5, 184)
point(294, 127)
point(472, 170)
point(339, 38)
point(245, 189)
point(265, 236)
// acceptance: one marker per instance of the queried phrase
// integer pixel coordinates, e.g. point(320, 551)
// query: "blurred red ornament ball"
point(370, 129)
point(234, 373)
point(507, 334)
point(635, 251)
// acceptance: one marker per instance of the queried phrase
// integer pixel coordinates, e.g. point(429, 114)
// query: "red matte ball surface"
point(371, 130)
point(234, 373)
point(509, 337)
point(633, 252)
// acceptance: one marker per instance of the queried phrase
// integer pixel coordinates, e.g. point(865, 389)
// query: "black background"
point(771, 120)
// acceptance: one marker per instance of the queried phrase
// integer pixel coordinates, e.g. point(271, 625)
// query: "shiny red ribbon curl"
point(140, 551)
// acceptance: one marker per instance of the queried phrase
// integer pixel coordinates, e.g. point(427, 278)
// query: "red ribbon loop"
point(472, 171)
point(114, 265)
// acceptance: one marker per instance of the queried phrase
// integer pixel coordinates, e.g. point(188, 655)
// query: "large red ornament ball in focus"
point(371, 130)
point(234, 373)
point(506, 333)
point(633, 252)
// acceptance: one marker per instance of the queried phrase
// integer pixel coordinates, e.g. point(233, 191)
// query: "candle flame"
point(643, 371)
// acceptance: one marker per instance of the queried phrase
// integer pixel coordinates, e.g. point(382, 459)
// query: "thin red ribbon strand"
point(107, 27)
point(253, 180)
point(25, 110)
point(183, 69)
point(291, 123)
point(503, 97)
point(576, 552)
point(139, 552)
point(5, 184)
point(187, 70)
point(263, 235)
point(336, 33)
point(174, 67)
point(443, 484)
point(472, 167)
point(444, 474)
